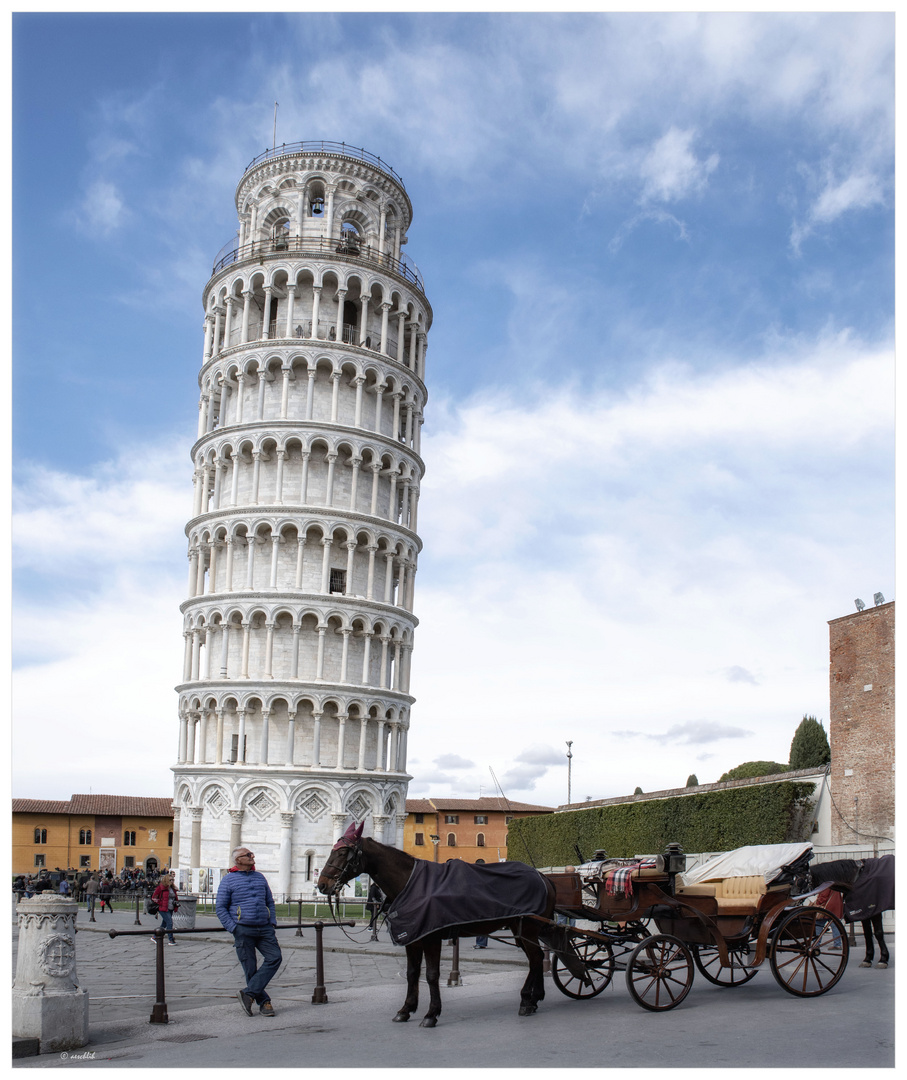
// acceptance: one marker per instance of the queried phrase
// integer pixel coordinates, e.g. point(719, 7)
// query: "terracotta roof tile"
point(507, 806)
point(102, 805)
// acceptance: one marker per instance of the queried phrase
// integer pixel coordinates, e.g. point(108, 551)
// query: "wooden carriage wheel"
point(660, 972)
point(597, 957)
point(808, 951)
point(708, 960)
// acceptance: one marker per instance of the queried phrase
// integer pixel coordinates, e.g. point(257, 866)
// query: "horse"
point(870, 889)
point(392, 869)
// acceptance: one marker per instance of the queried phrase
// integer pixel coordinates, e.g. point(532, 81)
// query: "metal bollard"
point(159, 1012)
point(454, 978)
point(320, 996)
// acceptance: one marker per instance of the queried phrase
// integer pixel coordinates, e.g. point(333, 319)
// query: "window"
point(40, 838)
point(39, 860)
point(480, 839)
point(308, 866)
point(451, 840)
point(419, 839)
point(508, 819)
point(170, 838)
point(338, 581)
point(420, 819)
point(451, 819)
point(84, 836)
point(85, 861)
point(129, 862)
point(480, 819)
point(129, 839)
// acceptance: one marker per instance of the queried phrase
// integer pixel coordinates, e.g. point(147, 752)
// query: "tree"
point(638, 790)
point(752, 768)
point(692, 780)
point(809, 745)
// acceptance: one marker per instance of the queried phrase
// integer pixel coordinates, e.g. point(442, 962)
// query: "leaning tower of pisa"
point(294, 704)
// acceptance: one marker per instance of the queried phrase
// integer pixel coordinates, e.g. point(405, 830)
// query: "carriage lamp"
point(673, 861)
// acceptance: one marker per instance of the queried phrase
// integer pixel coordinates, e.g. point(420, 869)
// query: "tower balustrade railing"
point(232, 252)
point(301, 330)
point(316, 146)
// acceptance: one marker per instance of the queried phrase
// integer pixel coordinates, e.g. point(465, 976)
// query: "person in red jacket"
point(165, 898)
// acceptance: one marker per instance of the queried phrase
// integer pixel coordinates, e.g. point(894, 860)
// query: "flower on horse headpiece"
point(351, 837)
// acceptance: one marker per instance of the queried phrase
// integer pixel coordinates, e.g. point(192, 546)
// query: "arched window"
point(308, 866)
point(451, 840)
point(480, 840)
point(40, 836)
point(128, 839)
point(84, 836)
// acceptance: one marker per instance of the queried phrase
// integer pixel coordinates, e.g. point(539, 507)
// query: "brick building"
point(467, 829)
point(94, 832)
point(861, 725)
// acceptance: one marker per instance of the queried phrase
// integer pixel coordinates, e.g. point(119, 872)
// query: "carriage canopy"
point(769, 860)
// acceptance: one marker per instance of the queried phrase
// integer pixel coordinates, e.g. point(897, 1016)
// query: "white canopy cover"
point(765, 859)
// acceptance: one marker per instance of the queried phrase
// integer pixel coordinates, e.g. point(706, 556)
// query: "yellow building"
point(94, 832)
point(468, 829)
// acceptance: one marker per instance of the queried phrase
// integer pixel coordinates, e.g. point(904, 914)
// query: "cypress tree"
point(809, 746)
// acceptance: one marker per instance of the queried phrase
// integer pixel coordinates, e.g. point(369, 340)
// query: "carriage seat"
point(734, 894)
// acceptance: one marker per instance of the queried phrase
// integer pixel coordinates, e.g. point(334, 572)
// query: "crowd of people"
point(77, 883)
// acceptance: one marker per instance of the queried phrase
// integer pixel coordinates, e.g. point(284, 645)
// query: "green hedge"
point(710, 821)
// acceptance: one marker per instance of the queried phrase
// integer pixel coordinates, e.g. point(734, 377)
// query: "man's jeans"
point(247, 939)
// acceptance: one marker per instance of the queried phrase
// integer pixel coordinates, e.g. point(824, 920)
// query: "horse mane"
point(844, 870)
point(393, 865)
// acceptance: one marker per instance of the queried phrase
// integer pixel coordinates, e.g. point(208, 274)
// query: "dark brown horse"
point(868, 887)
point(392, 869)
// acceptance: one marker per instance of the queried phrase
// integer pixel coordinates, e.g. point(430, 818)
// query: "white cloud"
point(102, 210)
point(859, 191)
point(671, 171)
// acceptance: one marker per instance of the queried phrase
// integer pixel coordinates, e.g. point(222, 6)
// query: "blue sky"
point(659, 438)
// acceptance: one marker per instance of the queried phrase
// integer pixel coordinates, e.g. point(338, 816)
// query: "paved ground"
point(757, 1025)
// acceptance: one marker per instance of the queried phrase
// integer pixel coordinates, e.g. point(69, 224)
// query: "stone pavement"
point(755, 1025)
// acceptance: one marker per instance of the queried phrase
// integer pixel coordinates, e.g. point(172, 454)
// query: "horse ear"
point(358, 834)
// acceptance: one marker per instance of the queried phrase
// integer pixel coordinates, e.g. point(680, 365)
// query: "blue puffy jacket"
point(245, 897)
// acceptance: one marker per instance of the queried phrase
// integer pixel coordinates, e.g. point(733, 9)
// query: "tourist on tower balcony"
point(245, 907)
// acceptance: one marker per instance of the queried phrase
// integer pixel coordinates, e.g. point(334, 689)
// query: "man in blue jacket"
point(245, 907)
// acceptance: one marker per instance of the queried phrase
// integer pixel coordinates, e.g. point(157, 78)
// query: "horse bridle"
point(350, 869)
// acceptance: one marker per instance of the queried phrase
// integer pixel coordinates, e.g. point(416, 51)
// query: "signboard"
point(107, 859)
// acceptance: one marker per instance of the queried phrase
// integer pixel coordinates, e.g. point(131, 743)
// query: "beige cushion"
point(739, 893)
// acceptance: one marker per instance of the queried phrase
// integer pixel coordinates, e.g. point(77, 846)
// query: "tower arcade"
point(294, 705)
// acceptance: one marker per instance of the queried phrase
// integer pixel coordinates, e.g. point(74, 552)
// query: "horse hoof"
point(527, 1010)
point(429, 1021)
point(866, 963)
point(401, 1018)
point(882, 964)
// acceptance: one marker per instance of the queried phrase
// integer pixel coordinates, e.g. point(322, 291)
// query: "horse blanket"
point(872, 892)
point(442, 896)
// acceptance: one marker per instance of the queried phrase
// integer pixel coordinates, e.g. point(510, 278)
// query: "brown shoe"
point(247, 1001)
point(267, 1009)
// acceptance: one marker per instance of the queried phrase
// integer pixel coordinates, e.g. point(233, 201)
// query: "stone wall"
point(861, 724)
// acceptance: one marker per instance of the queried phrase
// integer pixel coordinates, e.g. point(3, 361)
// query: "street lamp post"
point(569, 769)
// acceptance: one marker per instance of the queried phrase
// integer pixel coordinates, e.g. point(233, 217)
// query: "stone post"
point(48, 1003)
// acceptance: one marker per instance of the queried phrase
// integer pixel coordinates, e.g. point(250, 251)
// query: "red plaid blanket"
point(619, 882)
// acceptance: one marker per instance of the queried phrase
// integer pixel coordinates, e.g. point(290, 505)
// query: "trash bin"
point(184, 917)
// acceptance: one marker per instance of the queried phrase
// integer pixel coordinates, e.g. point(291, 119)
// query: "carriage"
point(723, 918)
point(659, 923)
